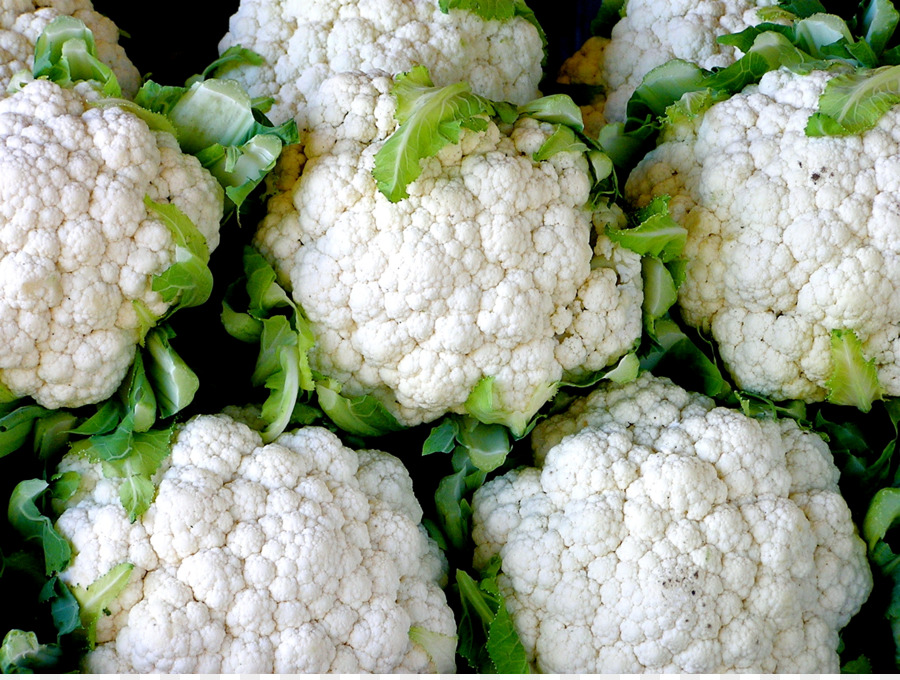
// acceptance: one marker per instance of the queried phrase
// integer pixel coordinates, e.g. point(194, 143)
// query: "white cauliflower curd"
point(662, 534)
point(650, 33)
point(22, 21)
point(304, 43)
point(78, 245)
point(490, 268)
point(815, 218)
point(300, 556)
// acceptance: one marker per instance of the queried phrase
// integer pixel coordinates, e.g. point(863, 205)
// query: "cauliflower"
point(488, 269)
point(78, 244)
point(817, 216)
point(651, 33)
point(300, 556)
point(23, 21)
point(304, 43)
point(663, 534)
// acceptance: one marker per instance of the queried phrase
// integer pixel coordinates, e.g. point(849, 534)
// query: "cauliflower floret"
point(663, 534)
point(78, 245)
point(816, 215)
point(300, 556)
point(487, 269)
point(651, 33)
point(306, 42)
point(22, 22)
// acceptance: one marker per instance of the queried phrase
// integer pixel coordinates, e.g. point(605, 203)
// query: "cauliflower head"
point(300, 556)
point(651, 33)
point(489, 269)
point(817, 216)
point(78, 245)
point(663, 534)
point(306, 42)
point(22, 22)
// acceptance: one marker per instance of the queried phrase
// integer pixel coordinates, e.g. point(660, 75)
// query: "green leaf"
point(262, 287)
point(879, 21)
point(487, 445)
point(230, 58)
point(442, 438)
point(660, 291)
point(859, 666)
point(430, 118)
point(485, 404)
point(211, 112)
point(562, 140)
point(504, 645)
point(488, 639)
point(608, 15)
point(240, 325)
point(277, 334)
point(136, 465)
point(758, 406)
point(883, 513)
point(691, 105)
point(802, 8)
point(554, 108)
point(33, 525)
point(854, 102)
point(112, 446)
point(673, 354)
point(362, 415)
point(64, 485)
point(138, 397)
point(284, 387)
point(63, 606)
point(51, 434)
point(159, 98)
point(173, 381)
point(188, 281)
point(16, 426)
point(133, 457)
point(656, 233)
point(854, 379)
point(661, 87)
point(819, 31)
point(282, 364)
point(452, 498)
point(106, 418)
point(502, 10)
point(623, 146)
point(767, 47)
point(6, 395)
point(65, 53)
point(625, 371)
point(22, 653)
point(440, 648)
point(453, 507)
point(240, 169)
point(771, 49)
point(98, 596)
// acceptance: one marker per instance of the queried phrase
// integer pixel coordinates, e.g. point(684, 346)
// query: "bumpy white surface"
point(77, 243)
point(487, 269)
point(22, 21)
point(300, 556)
point(306, 42)
point(660, 534)
point(815, 218)
point(651, 33)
